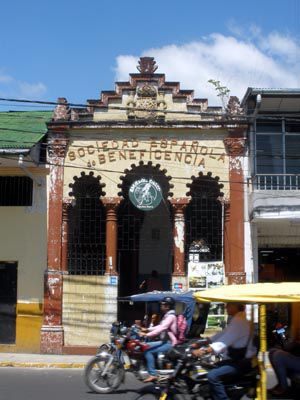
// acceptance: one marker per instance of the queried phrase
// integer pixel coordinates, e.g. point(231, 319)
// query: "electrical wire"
point(102, 106)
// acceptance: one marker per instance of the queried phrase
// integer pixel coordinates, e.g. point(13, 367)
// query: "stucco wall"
point(89, 308)
point(183, 153)
point(23, 239)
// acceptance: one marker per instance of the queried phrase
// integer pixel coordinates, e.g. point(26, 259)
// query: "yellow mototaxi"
point(261, 294)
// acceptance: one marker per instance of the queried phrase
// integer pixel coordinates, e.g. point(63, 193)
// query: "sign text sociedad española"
point(110, 151)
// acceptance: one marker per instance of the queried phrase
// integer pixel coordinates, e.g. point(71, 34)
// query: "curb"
point(40, 364)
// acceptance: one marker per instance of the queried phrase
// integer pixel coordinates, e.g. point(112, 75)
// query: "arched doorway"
point(144, 229)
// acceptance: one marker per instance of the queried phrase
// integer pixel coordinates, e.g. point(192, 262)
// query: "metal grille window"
point(86, 229)
point(204, 219)
point(130, 220)
point(15, 191)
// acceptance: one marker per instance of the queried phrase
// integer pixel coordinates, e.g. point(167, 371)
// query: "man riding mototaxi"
point(236, 346)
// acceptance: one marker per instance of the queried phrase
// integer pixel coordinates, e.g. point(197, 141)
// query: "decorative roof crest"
point(147, 65)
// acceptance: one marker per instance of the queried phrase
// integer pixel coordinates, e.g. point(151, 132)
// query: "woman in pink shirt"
point(166, 330)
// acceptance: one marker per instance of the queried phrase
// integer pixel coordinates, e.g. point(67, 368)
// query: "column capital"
point(179, 204)
point(111, 203)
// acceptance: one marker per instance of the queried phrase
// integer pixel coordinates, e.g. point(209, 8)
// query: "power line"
point(166, 111)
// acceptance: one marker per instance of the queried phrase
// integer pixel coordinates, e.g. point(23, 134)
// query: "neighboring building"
point(137, 179)
point(23, 229)
point(274, 183)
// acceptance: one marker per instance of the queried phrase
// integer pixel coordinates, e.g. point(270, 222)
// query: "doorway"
point(145, 239)
point(8, 302)
point(278, 265)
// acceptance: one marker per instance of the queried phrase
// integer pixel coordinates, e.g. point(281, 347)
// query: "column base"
point(236, 278)
point(52, 339)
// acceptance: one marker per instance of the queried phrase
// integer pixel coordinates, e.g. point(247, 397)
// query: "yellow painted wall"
point(28, 326)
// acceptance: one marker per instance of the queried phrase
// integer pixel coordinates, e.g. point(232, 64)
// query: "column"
point(234, 212)
point(179, 235)
point(64, 240)
point(52, 335)
point(111, 205)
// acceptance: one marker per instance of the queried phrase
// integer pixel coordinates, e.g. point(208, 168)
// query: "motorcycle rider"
point(235, 344)
point(285, 361)
point(167, 330)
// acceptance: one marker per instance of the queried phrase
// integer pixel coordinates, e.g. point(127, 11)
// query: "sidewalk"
point(42, 360)
point(22, 360)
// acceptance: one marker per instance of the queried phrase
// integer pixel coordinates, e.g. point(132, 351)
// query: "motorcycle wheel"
point(98, 383)
point(149, 396)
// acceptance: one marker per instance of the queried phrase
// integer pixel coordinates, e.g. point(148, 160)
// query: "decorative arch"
point(86, 226)
point(149, 171)
point(87, 186)
point(204, 217)
point(205, 185)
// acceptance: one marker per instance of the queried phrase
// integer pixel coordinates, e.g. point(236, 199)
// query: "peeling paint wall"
point(179, 235)
point(89, 308)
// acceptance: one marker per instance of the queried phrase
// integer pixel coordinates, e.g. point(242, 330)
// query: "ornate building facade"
point(137, 178)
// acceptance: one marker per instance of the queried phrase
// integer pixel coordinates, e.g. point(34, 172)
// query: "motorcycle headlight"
point(119, 343)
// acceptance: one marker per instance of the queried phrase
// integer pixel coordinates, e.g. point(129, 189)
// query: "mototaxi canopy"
point(284, 292)
point(185, 297)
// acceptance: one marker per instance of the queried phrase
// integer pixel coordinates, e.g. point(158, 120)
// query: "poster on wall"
point(205, 275)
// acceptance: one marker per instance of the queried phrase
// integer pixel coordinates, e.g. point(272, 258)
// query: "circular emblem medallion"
point(145, 194)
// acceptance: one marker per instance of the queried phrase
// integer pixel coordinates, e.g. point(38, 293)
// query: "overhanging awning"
point(20, 131)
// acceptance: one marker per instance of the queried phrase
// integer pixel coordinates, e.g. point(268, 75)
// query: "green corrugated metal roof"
point(22, 129)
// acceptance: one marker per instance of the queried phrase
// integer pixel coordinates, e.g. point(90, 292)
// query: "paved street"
point(55, 384)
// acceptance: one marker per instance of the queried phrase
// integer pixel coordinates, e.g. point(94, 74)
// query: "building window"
point(204, 219)
point(15, 191)
point(277, 147)
point(86, 228)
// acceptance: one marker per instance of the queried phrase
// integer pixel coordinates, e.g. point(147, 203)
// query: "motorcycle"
point(280, 335)
point(188, 380)
point(106, 371)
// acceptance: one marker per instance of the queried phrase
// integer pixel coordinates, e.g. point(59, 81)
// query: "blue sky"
point(75, 49)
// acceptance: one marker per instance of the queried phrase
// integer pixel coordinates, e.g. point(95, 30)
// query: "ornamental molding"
point(57, 147)
point(147, 103)
point(235, 146)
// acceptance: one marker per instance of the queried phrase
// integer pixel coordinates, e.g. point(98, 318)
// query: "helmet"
point(168, 301)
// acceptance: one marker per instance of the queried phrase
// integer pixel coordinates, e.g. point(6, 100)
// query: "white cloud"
point(238, 62)
point(5, 78)
point(32, 90)
point(11, 87)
